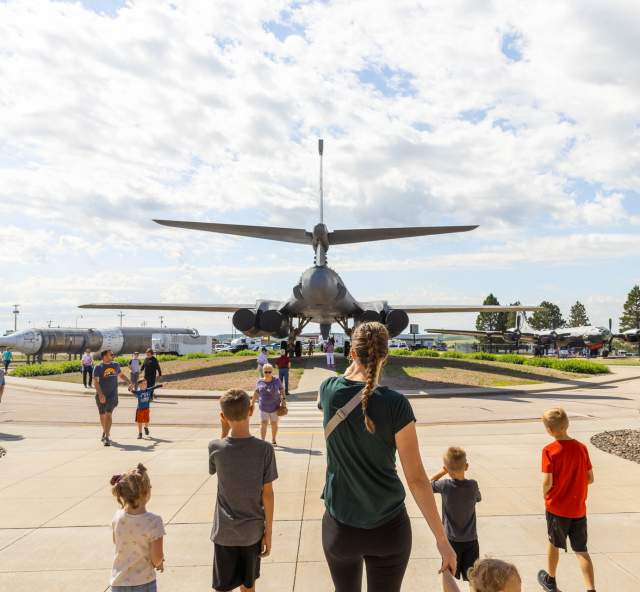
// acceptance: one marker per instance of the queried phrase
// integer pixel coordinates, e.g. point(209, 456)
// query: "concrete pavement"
point(56, 506)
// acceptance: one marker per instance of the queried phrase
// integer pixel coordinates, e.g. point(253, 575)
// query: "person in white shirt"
point(134, 368)
point(262, 360)
point(87, 369)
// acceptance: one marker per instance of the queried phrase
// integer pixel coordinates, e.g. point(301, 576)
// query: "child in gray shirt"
point(459, 498)
point(243, 519)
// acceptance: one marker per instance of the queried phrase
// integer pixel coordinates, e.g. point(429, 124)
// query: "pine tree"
point(630, 318)
point(578, 315)
point(491, 321)
point(549, 317)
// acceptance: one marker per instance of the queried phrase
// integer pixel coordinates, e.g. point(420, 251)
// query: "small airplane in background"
point(592, 337)
point(320, 296)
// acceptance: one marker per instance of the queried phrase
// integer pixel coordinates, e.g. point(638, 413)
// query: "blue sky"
point(211, 111)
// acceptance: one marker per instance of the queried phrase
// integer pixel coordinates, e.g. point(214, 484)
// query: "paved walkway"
point(55, 503)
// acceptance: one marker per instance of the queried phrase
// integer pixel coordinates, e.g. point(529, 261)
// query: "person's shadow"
point(10, 437)
point(292, 450)
point(140, 447)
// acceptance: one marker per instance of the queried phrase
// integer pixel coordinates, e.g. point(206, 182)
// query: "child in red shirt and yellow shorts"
point(567, 474)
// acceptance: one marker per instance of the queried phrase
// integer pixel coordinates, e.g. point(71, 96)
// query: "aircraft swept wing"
point(433, 308)
point(466, 333)
point(168, 306)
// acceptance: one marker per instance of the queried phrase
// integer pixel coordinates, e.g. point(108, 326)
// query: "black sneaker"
point(103, 437)
point(140, 436)
point(544, 579)
point(107, 442)
point(146, 430)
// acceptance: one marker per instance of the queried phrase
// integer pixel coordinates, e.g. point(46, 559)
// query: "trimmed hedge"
point(453, 354)
point(400, 351)
point(571, 365)
point(487, 357)
point(246, 352)
point(424, 352)
point(47, 369)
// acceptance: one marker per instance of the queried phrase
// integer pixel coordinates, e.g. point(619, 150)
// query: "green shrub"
point(540, 362)
point(511, 359)
point(246, 352)
point(424, 352)
point(482, 356)
point(453, 354)
point(222, 354)
point(339, 350)
point(167, 357)
point(197, 356)
point(122, 360)
point(570, 365)
point(400, 351)
point(47, 369)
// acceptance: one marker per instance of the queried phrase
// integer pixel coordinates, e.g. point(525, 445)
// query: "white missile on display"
point(121, 340)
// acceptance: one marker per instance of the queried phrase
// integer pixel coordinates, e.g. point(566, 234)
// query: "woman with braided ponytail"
point(366, 521)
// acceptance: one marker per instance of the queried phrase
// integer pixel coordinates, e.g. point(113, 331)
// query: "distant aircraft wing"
point(287, 235)
point(169, 306)
point(365, 235)
point(466, 332)
point(434, 308)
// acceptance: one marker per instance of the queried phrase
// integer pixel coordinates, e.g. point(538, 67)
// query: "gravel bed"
point(623, 443)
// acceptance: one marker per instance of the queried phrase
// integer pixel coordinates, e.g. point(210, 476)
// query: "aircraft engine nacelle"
point(369, 316)
point(261, 322)
point(244, 319)
point(396, 321)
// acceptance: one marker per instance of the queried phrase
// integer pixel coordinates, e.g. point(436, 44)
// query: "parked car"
point(221, 347)
point(398, 344)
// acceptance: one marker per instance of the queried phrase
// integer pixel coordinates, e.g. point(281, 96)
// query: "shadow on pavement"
point(10, 437)
point(291, 450)
point(140, 447)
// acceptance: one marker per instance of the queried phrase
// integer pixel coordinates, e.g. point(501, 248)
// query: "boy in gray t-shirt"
point(243, 519)
point(459, 498)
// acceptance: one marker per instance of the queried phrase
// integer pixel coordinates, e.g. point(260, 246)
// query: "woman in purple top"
point(269, 391)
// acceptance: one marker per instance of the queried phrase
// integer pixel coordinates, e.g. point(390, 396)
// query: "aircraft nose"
point(8, 341)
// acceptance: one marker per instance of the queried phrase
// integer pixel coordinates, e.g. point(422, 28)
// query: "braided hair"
point(131, 488)
point(370, 342)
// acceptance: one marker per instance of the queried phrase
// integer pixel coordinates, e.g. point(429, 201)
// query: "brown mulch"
point(201, 374)
point(622, 443)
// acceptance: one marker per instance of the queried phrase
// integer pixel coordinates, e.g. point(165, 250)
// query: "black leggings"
point(87, 373)
point(385, 551)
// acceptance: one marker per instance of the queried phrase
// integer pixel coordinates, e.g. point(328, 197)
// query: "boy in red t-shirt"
point(567, 474)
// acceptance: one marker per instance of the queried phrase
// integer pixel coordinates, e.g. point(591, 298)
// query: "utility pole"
point(77, 319)
point(16, 312)
point(121, 315)
point(49, 324)
point(161, 317)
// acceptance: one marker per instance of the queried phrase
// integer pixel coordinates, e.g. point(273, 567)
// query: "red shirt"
point(282, 362)
point(568, 461)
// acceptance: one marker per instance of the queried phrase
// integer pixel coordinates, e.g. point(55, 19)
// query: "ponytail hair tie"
point(115, 479)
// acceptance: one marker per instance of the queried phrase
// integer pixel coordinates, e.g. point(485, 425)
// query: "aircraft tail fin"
point(363, 235)
point(287, 235)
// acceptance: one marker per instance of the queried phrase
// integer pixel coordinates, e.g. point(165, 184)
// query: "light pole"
point(16, 312)
point(121, 315)
point(161, 317)
point(77, 319)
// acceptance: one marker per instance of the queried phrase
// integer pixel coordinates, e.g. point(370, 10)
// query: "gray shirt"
point(108, 378)
point(459, 498)
point(243, 466)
